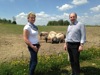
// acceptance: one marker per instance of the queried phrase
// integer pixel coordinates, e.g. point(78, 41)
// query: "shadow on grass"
point(90, 70)
point(56, 72)
point(84, 71)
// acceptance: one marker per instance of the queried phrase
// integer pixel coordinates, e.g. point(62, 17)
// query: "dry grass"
point(12, 45)
point(93, 37)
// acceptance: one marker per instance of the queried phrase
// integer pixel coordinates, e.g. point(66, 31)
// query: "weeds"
point(51, 64)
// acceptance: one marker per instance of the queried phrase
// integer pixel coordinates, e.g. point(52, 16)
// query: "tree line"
point(60, 22)
point(4, 20)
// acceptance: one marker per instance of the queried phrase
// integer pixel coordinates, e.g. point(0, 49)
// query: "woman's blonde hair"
point(31, 13)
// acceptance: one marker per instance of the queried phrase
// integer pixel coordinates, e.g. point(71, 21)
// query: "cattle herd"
point(52, 36)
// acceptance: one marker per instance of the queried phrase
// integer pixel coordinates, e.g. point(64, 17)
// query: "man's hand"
point(80, 48)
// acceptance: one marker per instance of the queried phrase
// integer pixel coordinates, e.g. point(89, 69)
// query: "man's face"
point(72, 17)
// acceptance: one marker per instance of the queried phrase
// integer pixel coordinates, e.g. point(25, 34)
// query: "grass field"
point(13, 52)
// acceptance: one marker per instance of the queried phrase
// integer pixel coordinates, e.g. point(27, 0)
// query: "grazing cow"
point(60, 37)
point(51, 35)
point(55, 37)
point(43, 34)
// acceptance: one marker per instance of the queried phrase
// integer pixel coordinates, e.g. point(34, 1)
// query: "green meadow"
point(53, 60)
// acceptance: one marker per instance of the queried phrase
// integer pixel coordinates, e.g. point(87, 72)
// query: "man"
point(74, 41)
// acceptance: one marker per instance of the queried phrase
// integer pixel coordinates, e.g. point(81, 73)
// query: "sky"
point(88, 11)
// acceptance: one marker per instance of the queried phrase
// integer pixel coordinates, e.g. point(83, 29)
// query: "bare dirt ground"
point(13, 46)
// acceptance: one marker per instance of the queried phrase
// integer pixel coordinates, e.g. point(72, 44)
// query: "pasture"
point(13, 52)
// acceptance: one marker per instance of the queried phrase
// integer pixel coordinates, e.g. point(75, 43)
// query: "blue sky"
point(47, 10)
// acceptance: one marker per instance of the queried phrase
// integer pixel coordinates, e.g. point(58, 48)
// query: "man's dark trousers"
point(74, 57)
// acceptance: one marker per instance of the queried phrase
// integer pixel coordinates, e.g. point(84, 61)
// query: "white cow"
point(60, 37)
point(55, 37)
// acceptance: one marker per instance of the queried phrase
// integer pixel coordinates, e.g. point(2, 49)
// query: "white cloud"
point(42, 18)
point(42, 14)
point(21, 18)
point(64, 16)
point(64, 7)
point(95, 9)
point(79, 2)
point(85, 14)
point(90, 20)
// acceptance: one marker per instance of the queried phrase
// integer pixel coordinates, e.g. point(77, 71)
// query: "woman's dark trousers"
point(33, 61)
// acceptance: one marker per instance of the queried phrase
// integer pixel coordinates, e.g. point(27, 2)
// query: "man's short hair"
point(73, 13)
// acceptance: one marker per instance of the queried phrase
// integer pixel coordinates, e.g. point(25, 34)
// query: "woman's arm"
point(25, 37)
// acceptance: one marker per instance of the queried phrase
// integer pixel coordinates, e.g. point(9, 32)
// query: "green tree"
point(9, 21)
point(60, 22)
point(0, 20)
point(14, 20)
point(49, 23)
point(4, 20)
point(66, 22)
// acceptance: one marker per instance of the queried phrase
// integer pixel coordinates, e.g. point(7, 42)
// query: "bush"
point(46, 64)
point(14, 68)
point(89, 54)
point(51, 63)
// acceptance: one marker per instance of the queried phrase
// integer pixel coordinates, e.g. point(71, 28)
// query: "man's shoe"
point(72, 74)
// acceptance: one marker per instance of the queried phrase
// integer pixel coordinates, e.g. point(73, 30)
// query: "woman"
point(30, 35)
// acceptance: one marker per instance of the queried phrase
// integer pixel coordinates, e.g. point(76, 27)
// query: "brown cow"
point(60, 37)
point(43, 34)
point(55, 37)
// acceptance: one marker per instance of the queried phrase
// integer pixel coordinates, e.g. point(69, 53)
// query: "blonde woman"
point(30, 35)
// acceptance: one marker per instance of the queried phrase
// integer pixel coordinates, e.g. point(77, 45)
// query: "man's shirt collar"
point(74, 23)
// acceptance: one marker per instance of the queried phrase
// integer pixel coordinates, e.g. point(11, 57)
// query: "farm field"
point(12, 46)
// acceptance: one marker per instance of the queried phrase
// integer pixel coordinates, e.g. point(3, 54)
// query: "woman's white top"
point(33, 33)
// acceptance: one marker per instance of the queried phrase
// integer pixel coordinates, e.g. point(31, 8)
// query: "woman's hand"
point(65, 46)
point(35, 48)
